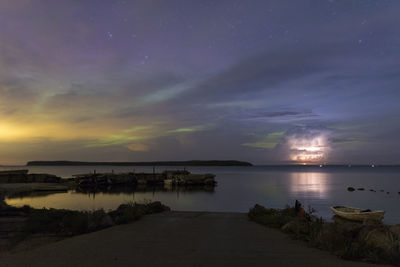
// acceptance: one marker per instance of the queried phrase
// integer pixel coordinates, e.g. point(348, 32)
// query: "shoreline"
point(365, 239)
point(34, 232)
point(16, 188)
point(189, 163)
point(94, 181)
point(22, 226)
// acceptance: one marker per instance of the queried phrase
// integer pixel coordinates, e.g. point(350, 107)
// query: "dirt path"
point(179, 239)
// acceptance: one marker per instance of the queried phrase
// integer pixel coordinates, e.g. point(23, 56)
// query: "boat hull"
point(356, 214)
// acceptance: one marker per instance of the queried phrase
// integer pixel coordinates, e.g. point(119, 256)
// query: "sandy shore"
point(179, 239)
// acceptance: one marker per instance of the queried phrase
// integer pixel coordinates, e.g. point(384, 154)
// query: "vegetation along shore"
point(29, 226)
point(369, 240)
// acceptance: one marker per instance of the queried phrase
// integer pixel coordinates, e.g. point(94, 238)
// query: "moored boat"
point(357, 214)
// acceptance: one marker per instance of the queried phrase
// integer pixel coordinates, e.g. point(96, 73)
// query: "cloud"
point(307, 144)
point(168, 92)
point(277, 116)
point(141, 133)
point(195, 128)
point(227, 87)
point(268, 142)
point(258, 73)
point(138, 147)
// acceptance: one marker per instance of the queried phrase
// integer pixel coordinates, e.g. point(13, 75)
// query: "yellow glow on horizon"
point(10, 132)
point(99, 132)
point(13, 132)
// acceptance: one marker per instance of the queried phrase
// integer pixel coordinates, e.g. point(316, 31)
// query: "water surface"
point(239, 188)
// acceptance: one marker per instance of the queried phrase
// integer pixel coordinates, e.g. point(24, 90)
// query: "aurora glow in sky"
point(262, 81)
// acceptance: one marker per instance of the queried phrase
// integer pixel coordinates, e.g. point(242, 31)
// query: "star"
point(109, 34)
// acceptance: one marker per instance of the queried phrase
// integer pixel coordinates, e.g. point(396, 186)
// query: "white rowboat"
point(357, 214)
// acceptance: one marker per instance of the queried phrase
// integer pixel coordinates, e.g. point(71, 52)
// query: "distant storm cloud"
point(308, 145)
point(300, 144)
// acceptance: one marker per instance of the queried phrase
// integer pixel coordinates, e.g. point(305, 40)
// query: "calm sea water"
point(239, 188)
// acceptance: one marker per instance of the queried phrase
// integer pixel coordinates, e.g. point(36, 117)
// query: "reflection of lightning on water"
point(310, 185)
point(310, 149)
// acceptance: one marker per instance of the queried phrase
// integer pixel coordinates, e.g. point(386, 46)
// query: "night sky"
point(263, 81)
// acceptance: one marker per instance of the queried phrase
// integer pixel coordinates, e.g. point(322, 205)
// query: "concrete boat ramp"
point(179, 239)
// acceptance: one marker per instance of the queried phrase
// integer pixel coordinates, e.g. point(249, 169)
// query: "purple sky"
point(262, 81)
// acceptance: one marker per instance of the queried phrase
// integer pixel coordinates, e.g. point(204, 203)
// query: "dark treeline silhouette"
point(146, 163)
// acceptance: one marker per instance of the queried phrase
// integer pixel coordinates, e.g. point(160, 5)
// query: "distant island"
point(144, 163)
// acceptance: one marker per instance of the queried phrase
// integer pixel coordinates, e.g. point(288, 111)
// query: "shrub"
point(125, 213)
point(271, 217)
point(69, 223)
point(133, 211)
point(347, 239)
point(61, 222)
